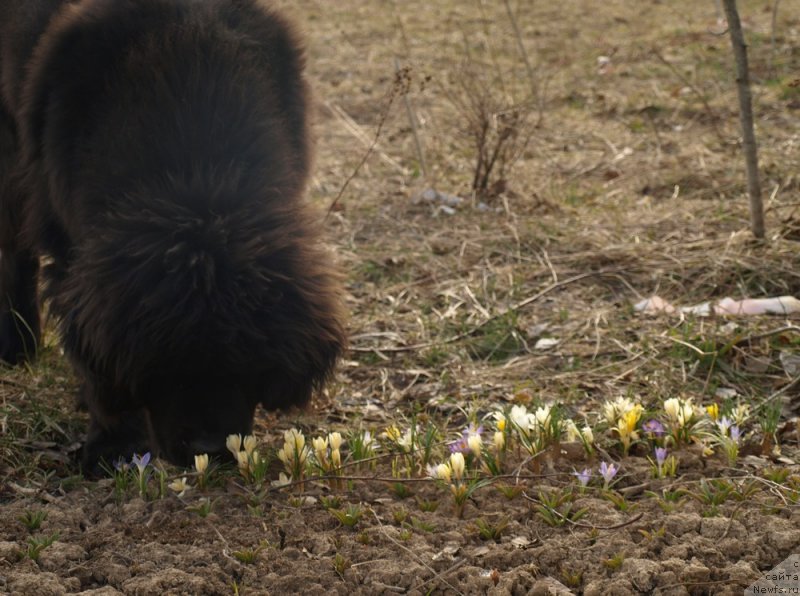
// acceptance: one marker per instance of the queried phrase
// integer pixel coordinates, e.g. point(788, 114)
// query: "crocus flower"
point(470, 438)
point(320, 445)
point(608, 471)
point(335, 440)
point(250, 444)
point(523, 419)
point(141, 462)
point(282, 480)
point(542, 416)
point(614, 410)
point(713, 411)
point(234, 444)
point(457, 465)
point(736, 433)
point(653, 427)
point(661, 455)
point(499, 440)
point(201, 463)
point(180, 486)
point(439, 472)
point(741, 413)
point(584, 476)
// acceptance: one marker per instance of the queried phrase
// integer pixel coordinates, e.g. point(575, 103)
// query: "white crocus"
point(573, 434)
point(672, 407)
point(499, 440)
point(457, 464)
point(180, 486)
point(234, 444)
point(201, 463)
point(335, 440)
point(542, 416)
point(250, 443)
point(475, 443)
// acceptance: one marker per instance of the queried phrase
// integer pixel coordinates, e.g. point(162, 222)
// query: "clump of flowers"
point(453, 474)
point(623, 416)
point(328, 455)
point(534, 431)
point(728, 436)
point(294, 454)
point(415, 445)
point(252, 466)
point(682, 420)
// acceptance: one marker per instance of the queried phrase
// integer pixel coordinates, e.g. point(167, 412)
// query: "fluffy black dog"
point(155, 152)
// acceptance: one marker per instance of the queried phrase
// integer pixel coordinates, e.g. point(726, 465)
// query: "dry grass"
point(632, 185)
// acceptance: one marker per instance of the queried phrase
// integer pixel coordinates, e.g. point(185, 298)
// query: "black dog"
point(156, 153)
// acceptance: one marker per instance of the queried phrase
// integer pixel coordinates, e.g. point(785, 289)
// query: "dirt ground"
point(623, 179)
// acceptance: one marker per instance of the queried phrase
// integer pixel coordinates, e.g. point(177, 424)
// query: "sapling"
point(556, 508)
point(37, 545)
point(203, 506)
point(33, 520)
point(489, 531)
point(768, 419)
point(348, 516)
point(614, 562)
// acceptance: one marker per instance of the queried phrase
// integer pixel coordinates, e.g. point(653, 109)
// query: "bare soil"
point(629, 183)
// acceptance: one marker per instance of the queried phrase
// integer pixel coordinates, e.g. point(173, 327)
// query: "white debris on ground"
point(780, 305)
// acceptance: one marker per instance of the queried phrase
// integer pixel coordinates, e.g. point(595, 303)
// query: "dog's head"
point(195, 418)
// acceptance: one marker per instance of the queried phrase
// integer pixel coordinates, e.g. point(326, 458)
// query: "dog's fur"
point(156, 152)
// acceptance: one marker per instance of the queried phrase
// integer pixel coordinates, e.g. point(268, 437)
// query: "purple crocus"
point(583, 477)
point(736, 433)
point(653, 428)
point(141, 462)
point(608, 471)
point(661, 455)
point(120, 465)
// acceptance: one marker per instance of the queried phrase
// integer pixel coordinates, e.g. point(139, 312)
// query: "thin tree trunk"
point(746, 117)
